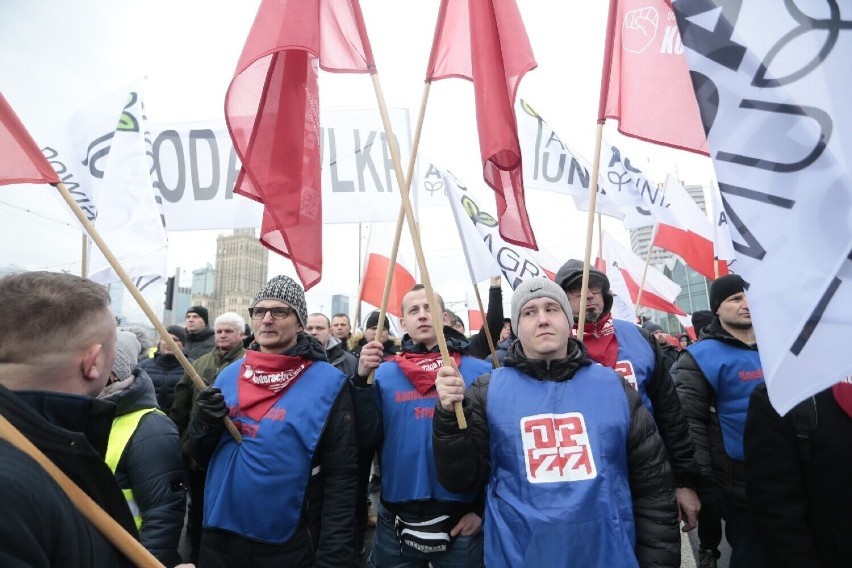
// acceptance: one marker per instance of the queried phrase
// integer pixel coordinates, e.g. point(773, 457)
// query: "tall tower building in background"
point(694, 294)
point(339, 305)
point(241, 268)
point(203, 286)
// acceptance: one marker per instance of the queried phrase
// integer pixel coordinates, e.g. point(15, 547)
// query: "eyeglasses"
point(277, 313)
point(575, 292)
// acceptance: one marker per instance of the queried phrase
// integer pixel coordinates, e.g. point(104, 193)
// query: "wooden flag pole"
point(485, 321)
point(106, 525)
point(593, 201)
point(137, 295)
point(418, 249)
point(84, 258)
point(644, 272)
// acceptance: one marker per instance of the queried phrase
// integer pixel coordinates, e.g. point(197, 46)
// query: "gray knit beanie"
point(287, 290)
point(538, 288)
point(126, 350)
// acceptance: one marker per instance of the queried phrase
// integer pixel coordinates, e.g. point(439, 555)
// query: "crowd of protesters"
point(562, 447)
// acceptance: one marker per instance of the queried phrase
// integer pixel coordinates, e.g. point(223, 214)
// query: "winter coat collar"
point(556, 370)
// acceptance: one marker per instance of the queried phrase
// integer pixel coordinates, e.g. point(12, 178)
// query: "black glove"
point(210, 405)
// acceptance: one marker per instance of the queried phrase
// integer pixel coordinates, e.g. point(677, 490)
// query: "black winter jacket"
point(152, 467)
point(462, 457)
point(718, 471)
point(165, 371)
point(799, 480)
point(326, 534)
point(341, 359)
point(493, 325)
point(197, 344)
point(39, 526)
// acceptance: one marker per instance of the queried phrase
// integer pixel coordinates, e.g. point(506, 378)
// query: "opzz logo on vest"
point(625, 369)
point(557, 448)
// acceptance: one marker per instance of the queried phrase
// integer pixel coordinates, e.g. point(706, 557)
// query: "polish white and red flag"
point(658, 291)
point(645, 83)
point(376, 269)
point(21, 160)
point(685, 230)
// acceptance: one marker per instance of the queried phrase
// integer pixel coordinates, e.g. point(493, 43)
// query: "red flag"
point(474, 320)
point(272, 111)
point(645, 83)
point(374, 283)
point(484, 41)
point(21, 161)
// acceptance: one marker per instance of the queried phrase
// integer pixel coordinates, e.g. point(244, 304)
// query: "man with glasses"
point(637, 356)
point(286, 495)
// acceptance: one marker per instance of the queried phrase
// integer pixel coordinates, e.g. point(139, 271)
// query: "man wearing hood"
point(200, 337)
point(144, 454)
point(573, 467)
point(637, 356)
point(419, 521)
point(286, 495)
point(320, 329)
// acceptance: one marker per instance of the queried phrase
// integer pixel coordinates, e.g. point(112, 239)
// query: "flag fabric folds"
point(658, 291)
point(645, 83)
point(685, 230)
point(484, 41)
point(272, 112)
point(376, 269)
point(21, 160)
point(779, 127)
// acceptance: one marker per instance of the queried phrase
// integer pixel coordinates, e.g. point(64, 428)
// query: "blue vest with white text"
point(256, 489)
point(636, 360)
point(733, 372)
point(408, 467)
point(559, 490)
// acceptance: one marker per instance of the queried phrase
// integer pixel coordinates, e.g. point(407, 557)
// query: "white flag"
point(486, 252)
point(118, 175)
point(722, 242)
point(774, 99)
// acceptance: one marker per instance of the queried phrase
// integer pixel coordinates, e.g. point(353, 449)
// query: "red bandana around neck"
point(263, 380)
point(600, 341)
point(422, 368)
point(843, 395)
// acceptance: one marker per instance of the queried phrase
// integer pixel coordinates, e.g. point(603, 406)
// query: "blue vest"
point(733, 372)
point(635, 359)
point(408, 467)
point(256, 489)
point(559, 490)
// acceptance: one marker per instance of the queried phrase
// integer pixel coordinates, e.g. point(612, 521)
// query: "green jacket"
point(208, 367)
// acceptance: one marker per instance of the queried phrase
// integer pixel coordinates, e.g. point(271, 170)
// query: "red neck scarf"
point(843, 395)
point(263, 380)
point(600, 341)
point(422, 368)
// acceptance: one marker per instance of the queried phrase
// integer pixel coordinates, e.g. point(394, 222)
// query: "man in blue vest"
point(637, 356)
point(420, 522)
point(575, 471)
point(286, 495)
point(715, 378)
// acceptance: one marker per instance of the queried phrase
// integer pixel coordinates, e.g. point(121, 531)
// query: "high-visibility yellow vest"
point(123, 428)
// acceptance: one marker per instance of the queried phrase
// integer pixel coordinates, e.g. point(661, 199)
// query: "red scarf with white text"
point(422, 368)
point(600, 341)
point(263, 380)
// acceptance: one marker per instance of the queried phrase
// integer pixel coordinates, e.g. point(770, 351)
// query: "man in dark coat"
point(799, 478)
point(357, 341)
point(164, 369)
point(493, 323)
point(715, 378)
point(56, 354)
point(200, 337)
point(295, 413)
point(575, 469)
point(320, 329)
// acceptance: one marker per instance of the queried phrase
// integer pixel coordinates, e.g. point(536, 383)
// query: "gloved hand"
point(210, 405)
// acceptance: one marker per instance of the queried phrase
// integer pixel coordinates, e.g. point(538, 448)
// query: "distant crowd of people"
point(565, 447)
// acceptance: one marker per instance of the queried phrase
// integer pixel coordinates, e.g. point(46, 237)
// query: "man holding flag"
point(636, 355)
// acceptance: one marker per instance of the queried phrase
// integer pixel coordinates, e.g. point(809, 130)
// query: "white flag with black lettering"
point(772, 82)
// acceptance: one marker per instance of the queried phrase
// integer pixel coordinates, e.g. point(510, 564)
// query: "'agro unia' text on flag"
point(485, 42)
point(645, 83)
point(376, 269)
point(773, 87)
point(272, 112)
point(486, 253)
point(658, 291)
point(685, 230)
point(21, 160)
